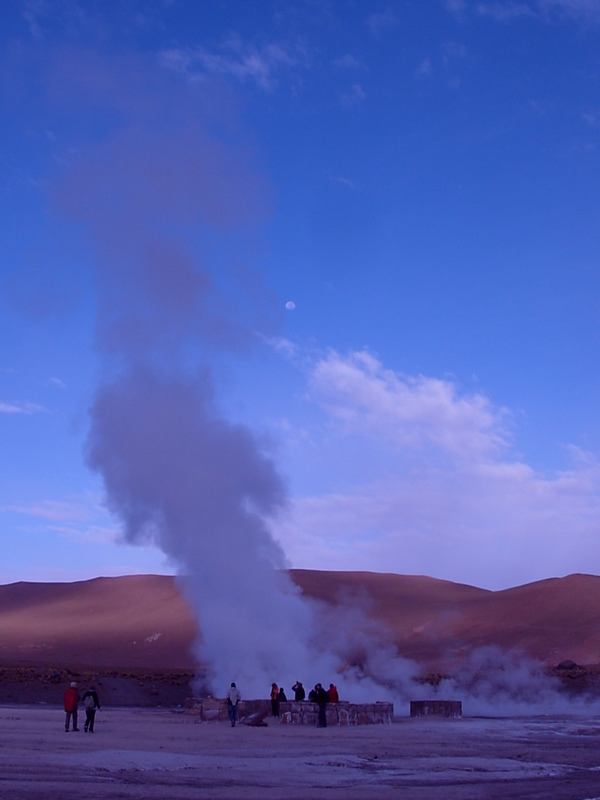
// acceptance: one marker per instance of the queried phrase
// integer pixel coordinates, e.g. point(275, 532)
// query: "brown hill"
point(142, 621)
point(133, 621)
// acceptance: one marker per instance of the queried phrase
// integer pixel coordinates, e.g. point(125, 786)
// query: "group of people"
point(317, 695)
point(91, 704)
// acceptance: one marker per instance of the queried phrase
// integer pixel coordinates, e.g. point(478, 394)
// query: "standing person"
point(299, 693)
point(281, 697)
point(233, 698)
point(333, 694)
point(274, 700)
point(322, 698)
point(71, 701)
point(91, 704)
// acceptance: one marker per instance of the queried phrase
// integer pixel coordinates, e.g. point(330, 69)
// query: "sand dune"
point(142, 621)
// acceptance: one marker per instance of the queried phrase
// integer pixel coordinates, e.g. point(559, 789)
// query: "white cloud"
point(414, 411)
point(429, 485)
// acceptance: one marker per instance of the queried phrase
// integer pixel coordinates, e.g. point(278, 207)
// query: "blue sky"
point(417, 181)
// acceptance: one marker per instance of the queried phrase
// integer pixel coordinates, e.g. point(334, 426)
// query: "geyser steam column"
point(171, 212)
point(198, 486)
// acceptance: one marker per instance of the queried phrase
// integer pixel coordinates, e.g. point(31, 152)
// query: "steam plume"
point(172, 210)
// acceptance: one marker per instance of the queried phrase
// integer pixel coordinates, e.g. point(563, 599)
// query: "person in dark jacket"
point(71, 701)
point(91, 704)
point(281, 696)
point(299, 693)
point(274, 700)
point(321, 699)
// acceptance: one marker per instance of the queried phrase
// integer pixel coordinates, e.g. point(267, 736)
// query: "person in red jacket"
point(333, 694)
point(71, 701)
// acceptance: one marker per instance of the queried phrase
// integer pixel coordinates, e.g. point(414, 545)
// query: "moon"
point(290, 305)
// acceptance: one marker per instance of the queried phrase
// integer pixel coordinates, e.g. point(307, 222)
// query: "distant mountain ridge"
point(142, 620)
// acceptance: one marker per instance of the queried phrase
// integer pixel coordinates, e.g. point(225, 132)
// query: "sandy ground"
point(140, 753)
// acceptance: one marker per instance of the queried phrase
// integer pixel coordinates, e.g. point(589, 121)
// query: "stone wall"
point(342, 713)
point(435, 708)
point(211, 709)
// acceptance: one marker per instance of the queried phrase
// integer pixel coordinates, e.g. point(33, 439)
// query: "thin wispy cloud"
point(509, 10)
point(41, 15)
point(384, 21)
point(592, 117)
point(583, 9)
point(57, 382)
point(281, 345)
point(234, 58)
point(505, 12)
point(347, 182)
point(354, 96)
point(95, 534)
point(346, 61)
point(82, 518)
point(456, 6)
point(21, 408)
point(55, 510)
point(424, 69)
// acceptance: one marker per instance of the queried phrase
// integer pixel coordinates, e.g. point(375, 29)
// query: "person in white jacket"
point(233, 698)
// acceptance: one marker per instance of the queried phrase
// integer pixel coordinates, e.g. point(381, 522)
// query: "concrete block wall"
point(342, 713)
point(212, 709)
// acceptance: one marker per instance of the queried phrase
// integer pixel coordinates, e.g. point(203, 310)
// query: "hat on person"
point(73, 684)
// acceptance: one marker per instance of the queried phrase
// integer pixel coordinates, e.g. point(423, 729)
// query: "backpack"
point(89, 702)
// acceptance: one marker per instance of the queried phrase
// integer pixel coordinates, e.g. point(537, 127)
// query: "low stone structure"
point(435, 708)
point(342, 713)
point(214, 709)
point(211, 709)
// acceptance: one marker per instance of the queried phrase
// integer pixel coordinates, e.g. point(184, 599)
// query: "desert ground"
point(143, 753)
point(147, 746)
